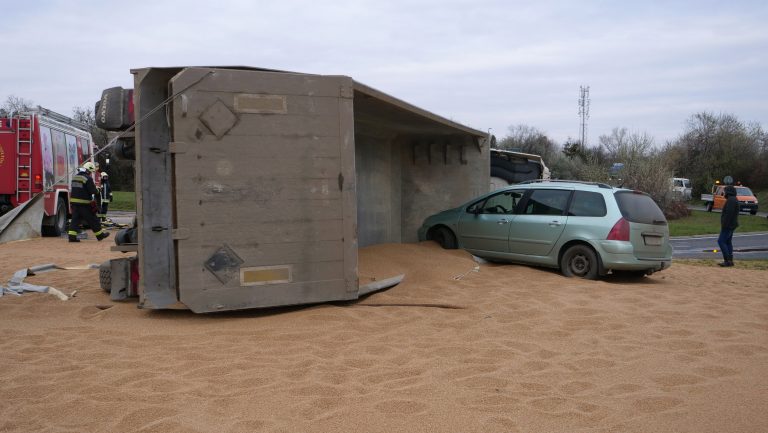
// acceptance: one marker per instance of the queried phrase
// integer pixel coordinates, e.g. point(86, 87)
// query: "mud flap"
point(115, 278)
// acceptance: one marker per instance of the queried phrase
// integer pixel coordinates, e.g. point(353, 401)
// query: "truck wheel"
point(105, 277)
point(59, 222)
point(503, 173)
point(579, 261)
point(709, 206)
point(445, 238)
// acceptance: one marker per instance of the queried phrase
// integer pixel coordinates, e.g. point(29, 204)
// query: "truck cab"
point(39, 152)
point(747, 200)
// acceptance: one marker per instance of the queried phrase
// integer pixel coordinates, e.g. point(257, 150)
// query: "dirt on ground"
point(456, 347)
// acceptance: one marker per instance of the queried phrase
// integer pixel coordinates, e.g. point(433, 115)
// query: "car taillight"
point(620, 231)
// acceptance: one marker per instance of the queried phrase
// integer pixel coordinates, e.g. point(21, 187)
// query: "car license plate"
point(654, 241)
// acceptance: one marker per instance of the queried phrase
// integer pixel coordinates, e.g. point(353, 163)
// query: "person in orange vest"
point(82, 197)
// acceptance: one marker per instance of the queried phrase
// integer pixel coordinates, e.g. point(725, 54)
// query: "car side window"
point(547, 202)
point(503, 203)
point(587, 204)
point(475, 207)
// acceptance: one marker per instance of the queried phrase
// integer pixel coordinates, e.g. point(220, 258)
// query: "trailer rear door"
point(264, 195)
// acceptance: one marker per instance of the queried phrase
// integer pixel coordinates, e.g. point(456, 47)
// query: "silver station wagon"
point(584, 229)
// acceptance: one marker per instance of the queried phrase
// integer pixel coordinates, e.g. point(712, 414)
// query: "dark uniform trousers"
point(83, 213)
point(81, 193)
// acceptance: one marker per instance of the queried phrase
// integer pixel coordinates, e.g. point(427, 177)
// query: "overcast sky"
point(650, 65)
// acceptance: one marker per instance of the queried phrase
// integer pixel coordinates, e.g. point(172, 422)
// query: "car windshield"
point(743, 190)
point(687, 183)
point(638, 207)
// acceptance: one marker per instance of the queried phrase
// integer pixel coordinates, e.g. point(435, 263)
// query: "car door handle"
point(555, 223)
point(502, 221)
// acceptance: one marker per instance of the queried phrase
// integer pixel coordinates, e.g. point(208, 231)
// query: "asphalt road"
point(121, 217)
point(745, 246)
point(702, 208)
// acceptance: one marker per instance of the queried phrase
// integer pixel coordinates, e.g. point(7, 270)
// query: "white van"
point(681, 188)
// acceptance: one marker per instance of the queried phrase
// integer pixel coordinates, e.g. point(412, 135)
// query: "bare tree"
point(14, 105)
point(621, 146)
point(714, 146)
point(524, 138)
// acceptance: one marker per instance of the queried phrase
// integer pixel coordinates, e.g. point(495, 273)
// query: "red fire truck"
point(39, 152)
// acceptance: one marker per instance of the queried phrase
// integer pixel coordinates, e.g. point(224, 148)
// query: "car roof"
point(553, 184)
point(577, 184)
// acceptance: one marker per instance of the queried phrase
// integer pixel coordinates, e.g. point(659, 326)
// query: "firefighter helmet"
point(89, 166)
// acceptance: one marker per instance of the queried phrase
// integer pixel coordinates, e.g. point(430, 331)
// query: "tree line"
point(711, 147)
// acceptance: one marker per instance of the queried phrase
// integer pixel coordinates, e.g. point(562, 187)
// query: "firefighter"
point(106, 196)
point(82, 196)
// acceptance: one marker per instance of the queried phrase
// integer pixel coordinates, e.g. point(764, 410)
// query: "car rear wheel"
point(445, 238)
point(579, 261)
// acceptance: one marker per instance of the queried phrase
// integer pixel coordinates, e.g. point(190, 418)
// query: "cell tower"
point(584, 112)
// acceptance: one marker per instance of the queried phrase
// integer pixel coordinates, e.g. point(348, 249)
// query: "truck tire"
point(59, 225)
point(525, 168)
point(503, 173)
point(709, 206)
point(127, 236)
point(105, 277)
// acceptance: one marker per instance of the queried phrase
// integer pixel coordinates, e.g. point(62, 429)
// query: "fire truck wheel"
point(59, 222)
point(105, 277)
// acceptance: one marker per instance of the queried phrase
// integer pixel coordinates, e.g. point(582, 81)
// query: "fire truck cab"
point(39, 152)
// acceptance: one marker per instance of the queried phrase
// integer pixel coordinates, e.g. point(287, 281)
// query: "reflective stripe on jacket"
point(105, 191)
point(83, 189)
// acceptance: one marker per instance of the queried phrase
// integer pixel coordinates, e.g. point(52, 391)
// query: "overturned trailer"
point(255, 187)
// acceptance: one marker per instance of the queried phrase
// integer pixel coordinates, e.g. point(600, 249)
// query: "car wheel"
point(445, 238)
point(579, 261)
point(709, 207)
point(753, 212)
